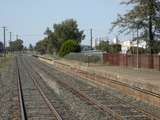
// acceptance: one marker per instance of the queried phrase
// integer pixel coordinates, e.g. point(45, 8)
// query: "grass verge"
point(4, 61)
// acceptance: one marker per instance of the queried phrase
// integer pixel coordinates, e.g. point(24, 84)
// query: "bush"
point(133, 50)
point(115, 48)
point(69, 46)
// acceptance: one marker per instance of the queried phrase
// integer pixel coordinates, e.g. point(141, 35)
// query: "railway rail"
point(33, 102)
point(88, 100)
point(85, 73)
point(113, 104)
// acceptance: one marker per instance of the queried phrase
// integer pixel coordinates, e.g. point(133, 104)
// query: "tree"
point(48, 31)
point(69, 46)
point(53, 43)
point(67, 30)
point(115, 48)
point(41, 46)
point(31, 47)
point(25, 48)
point(16, 45)
point(143, 17)
point(107, 47)
point(104, 46)
point(133, 50)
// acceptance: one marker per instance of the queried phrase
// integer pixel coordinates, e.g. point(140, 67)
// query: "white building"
point(126, 45)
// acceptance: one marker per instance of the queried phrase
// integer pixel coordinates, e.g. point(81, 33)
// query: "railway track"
point(115, 106)
point(85, 98)
point(33, 103)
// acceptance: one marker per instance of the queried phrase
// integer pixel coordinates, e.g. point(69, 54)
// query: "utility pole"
point(137, 48)
point(4, 46)
point(10, 34)
point(91, 38)
point(10, 40)
point(17, 37)
point(133, 38)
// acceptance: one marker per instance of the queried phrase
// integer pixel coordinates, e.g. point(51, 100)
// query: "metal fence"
point(92, 57)
point(132, 60)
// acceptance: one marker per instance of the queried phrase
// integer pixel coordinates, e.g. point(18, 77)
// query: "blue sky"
point(29, 18)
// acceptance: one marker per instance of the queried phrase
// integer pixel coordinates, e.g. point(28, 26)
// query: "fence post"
point(126, 60)
point(159, 62)
point(151, 61)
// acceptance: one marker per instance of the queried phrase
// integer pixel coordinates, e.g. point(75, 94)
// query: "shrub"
point(69, 46)
point(133, 50)
point(115, 48)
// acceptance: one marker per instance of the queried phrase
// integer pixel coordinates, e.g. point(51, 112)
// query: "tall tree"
point(104, 46)
point(143, 17)
point(48, 31)
point(16, 45)
point(31, 47)
point(68, 30)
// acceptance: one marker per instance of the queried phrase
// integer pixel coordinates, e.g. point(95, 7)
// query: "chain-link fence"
point(91, 57)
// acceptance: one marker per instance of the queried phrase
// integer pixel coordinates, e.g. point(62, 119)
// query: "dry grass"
point(4, 61)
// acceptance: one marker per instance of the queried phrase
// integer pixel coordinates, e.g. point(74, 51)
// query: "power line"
point(32, 35)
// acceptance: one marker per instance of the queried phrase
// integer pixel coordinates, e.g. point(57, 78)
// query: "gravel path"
point(8, 93)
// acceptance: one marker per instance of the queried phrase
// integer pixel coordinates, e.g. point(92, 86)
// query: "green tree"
point(115, 48)
point(67, 30)
point(107, 47)
point(104, 46)
point(48, 31)
point(53, 43)
point(41, 46)
point(16, 45)
point(145, 17)
point(69, 46)
point(31, 47)
point(62, 32)
point(133, 50)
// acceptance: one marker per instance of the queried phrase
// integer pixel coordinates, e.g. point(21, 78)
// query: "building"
point(126, 45)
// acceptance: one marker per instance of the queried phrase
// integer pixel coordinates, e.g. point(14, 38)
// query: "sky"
point(30, 18)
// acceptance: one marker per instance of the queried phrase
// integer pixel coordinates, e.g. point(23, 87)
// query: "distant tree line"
point(63, 39)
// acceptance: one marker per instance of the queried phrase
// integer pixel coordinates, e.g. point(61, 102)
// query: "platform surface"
point(144, 78)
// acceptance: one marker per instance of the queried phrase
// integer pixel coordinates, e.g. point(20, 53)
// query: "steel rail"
point(152, 117)
point(85, 98)
point(49, 104)
point(112, 81)
point(20, 94)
